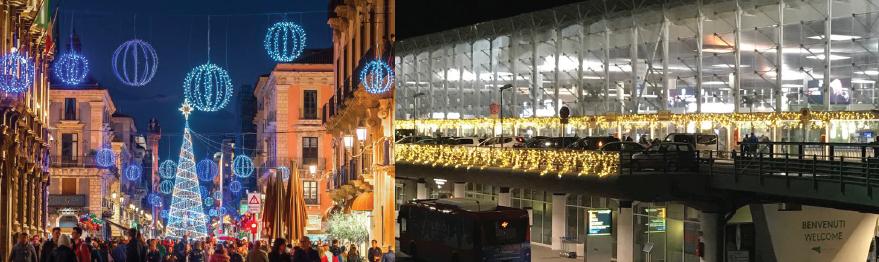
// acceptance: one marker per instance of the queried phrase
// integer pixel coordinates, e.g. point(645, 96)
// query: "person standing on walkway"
point(135, 249)
point(50, 245)
point(23, 251)
point(63, 251)
point(389, 257)
point(82, 250)
point(196, 254)
point(256, 254)
point(118, 252)
point(220, 255)
point(304, 253)
point(279, 253)
point(374, 254)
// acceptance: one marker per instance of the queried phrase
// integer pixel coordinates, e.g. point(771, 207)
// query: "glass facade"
point(708, 56)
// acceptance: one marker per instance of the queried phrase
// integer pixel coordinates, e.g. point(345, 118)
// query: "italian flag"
point(44, 20)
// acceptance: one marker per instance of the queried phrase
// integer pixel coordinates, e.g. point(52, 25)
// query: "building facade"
point(362, 32)
point(291, 133)
point(24, 172)
point(683, 57)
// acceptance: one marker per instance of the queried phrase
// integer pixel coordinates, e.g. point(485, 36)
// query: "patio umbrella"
point(268, 212)
point(279, 197)
point(295, 215)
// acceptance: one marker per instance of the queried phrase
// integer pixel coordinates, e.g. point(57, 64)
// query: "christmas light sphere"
point(235, 186)
point(285, 41)
point(105, 158)
point(71, 68)
point(377, 77)
point(208, 87)
point(242, 166)
point(285, 173)
point(133, 172)
point(16, 73)
point(203, 191)
point(206, 170)
point(212, 212)
point(167, 169)
point(135, 62)
point(166, 186)
point(163, 213)
point(218, 194)
point(208, 201)
point(155, 200)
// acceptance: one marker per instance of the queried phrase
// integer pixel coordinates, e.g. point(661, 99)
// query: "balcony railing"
point(73, 161)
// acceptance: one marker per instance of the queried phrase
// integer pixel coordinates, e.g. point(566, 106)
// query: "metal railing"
point(72, 161)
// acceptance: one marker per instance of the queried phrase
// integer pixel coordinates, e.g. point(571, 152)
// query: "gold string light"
point(546, 161)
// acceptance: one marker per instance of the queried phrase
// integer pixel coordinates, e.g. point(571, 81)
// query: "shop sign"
point(599, 222)
point(67, 200)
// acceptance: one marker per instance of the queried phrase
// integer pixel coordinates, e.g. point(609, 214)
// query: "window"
point(69, 147)
point(309, 104)
point(309, 189)
point(68, 186)
point(70, 109)
point(309, 150)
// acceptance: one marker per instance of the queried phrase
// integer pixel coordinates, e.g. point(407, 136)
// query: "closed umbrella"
point(295, 216)
point(268, 212)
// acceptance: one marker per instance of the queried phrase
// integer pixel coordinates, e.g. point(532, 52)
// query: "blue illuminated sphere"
point(235, 187)
point(212, 212)
point(167, 186)
point(285, 173)
point(206, 170)
point(71, 68)
point(105, 158)
point(155, 200)
point(218, 194)
point(377, 77)
point(16, 73)
point(133, 172)
point(163, 213)
point(208, 201)
point(285, 41)
point(135, 62)
point(242, 166)
point(168, 169)
point(208, 87)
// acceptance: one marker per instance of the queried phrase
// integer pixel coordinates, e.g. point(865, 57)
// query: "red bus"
point(463, 229)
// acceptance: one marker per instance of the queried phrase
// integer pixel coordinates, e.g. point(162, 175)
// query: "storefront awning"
point(363, 202)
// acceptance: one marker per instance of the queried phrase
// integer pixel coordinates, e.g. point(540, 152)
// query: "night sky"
point(103, 25)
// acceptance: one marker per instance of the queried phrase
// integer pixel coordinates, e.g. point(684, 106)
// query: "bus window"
point(707, 139)
point(505, 232)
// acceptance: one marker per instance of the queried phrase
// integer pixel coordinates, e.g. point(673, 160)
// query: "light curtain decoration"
point(545, 161)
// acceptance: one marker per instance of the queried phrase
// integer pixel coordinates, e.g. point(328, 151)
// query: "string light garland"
point(163, 213)
point(206, 170)
point(208, 87)
point(285, 41)
point(187, 217)
point(242, 166)
point(166, 187)
point(105, 158)
point(133, 172)
point(547, 161)
point(208, 201)
point(285, 173)
point(142, 66)
point(16, 73)
point(167, 169)
point(218, 195)
point(155, 200)
point(235, 186)
point(377, 77)
point(71, 68)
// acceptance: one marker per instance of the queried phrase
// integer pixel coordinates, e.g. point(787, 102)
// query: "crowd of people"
point(134, 248)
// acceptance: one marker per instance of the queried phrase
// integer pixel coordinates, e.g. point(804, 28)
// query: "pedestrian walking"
point(353, 255)
point(23, 251)
point(154, 255)
point(50, 245)
point(389, 256)
point(279, 253)
point(196, 254)
point(374, 254)
point(118, 252)
point(234, 254)
point(220, 255)
point(82, 251)
point(63, 251)
point(257, 254)
point(304, 252)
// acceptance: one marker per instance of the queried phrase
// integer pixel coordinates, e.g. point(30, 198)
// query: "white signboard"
point(819, 234)
point(254, 203)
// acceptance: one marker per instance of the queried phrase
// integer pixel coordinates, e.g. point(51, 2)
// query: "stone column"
point(709, 237)
point(558, 219)
point(504, 198)
point(625, 239)
point(421, 190)
point(459, 190)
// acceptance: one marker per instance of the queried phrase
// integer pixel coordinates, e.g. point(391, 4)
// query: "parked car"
point(702, 142)
point(467, 141)
point(500, 141)
point(411, 139)
point(592, 142)
point(534, 142)
point(666, 156)
point(623, 147)
point(557, 142)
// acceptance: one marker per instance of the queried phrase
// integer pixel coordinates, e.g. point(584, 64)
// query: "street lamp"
point(361, 133)
point(349, 141)
point(312, 169)
point(113, 195)
point(501, 113)
point(416, 96)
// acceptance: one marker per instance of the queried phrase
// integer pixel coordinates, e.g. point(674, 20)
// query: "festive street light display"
point(242, 166)
point(105, 158)
point(167, 169)
point(16, 73)
point(206, 170)
point(71, 68)
point(155, 200)
point(285, 41)
point(377, 77)
point(235, 186)
point(285, 173)
point(133, 172)
point(208, 87)
point(166, 186)
point(187, 217)
point(135, 62)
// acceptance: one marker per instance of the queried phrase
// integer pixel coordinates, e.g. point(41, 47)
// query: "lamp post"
point(501, 113)
point(361, 136)
point(416, 96)
point(349, 142)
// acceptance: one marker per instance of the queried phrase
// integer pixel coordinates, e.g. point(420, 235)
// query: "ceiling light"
point(832, 57)
point(868, 72)
point(862, 81)
point(710, 83)
point(729, 66)
point(717, 50)
point(836, 37)
point(791, 85)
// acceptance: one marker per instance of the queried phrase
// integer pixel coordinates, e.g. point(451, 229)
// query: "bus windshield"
point(505, 232)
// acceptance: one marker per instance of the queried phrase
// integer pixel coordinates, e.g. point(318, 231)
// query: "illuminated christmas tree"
point(187, 217)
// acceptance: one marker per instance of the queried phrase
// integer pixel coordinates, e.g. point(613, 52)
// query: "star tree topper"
point(186, 109)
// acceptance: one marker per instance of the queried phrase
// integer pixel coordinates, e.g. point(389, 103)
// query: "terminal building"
point(788, 71)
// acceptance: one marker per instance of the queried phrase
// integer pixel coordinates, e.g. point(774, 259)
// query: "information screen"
point(599, 222)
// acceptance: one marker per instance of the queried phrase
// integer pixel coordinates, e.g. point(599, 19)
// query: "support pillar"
point(504, 198)
point(459, 190)
point(709, 237)
point(421, 190)
point(625, 240)
point(558, 219)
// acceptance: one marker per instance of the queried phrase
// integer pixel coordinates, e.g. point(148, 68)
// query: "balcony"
point(72, 161)
point(67, 201)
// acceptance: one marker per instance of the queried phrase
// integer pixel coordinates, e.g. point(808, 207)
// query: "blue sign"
point(599, 222)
